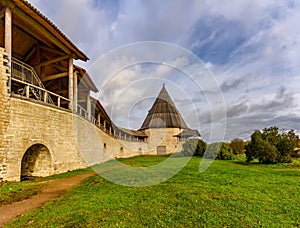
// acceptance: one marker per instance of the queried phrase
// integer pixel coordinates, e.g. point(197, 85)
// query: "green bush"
point(237, 146)
point(225, 152)
point(270, 146)
point(194, 147)
point(219, 151)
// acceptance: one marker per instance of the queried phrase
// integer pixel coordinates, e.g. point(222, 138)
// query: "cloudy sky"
point(249, 51)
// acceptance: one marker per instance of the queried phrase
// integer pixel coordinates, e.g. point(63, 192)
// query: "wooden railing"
point(43, 93)
point(82, 112)
point(25, 73)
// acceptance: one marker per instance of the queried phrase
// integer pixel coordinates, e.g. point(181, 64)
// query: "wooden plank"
point(71, 83)
point(63, 91)
point(37, 26)
point(89, 106)
point(8, 32)
point(30, 53)
point(52, 61)
point(55, 76)
point(8, 38)
point(59, 67)
point(20, 26)
point(75, 92)
point(2, 12)
point(52, 50)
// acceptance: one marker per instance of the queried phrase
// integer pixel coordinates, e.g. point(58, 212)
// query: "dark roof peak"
point(164, 113)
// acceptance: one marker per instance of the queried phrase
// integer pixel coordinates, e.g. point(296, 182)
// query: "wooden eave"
point(134, 133)
point(49, 30)
point(87, 79)
point(101, 109)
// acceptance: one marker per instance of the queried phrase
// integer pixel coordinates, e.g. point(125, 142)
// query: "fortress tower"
point(165, 127)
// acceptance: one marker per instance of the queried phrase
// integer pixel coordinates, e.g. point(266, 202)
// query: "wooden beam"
point(55, 76)
point(30, 53)
point(64, 91)
point(52, 50)
point(49, 84)
point(60, 68)
point(52, 61)
point(21, 27)
point(89, 106)
point(75, 92)
point(40, 28)
point(8, 32)
point(2, 12)
point(8, 38)
point(71, 83)
point(38, 61)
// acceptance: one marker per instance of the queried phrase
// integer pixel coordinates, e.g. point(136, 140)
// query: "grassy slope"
point(227, 194)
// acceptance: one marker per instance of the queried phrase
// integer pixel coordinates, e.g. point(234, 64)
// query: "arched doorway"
point(36, 162)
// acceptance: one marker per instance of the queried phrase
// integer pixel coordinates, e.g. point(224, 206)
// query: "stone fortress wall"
point(55, 140)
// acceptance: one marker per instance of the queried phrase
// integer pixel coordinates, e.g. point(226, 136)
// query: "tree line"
point(268, 146)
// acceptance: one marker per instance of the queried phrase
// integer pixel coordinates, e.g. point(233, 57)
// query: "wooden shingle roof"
point(164, 113)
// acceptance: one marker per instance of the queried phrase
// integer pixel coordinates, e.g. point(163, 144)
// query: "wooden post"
point(99, 118)
point(104, 124)
point(75, 92)
point(58, 102)
point(27, 91)
point(88, 105)
point(71, 82)
point(45, 97)
point(8, 39)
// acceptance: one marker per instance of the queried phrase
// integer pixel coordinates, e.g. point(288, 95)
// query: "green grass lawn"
point(17, 191)
point(228, 194)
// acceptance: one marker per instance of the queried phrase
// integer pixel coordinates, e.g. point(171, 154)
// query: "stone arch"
point(36, 162)
point(121, 150)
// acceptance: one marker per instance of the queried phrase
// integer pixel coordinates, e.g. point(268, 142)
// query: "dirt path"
point(52, 189)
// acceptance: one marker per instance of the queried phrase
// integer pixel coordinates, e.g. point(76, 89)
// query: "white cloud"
point(259, 48)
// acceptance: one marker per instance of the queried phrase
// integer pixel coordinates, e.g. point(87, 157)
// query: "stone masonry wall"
point(163, 137)
point(72, 141)
point(33, 123)
point(4, 112)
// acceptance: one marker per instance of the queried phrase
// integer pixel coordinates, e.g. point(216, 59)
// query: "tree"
point(237, 146)
point(194, 147)
point(254, 146)
point(225, 152)
point(219, 151)
point(271, 146)
point(271, 135)
point(268, 153)
point(286, 145)
point(201, 148)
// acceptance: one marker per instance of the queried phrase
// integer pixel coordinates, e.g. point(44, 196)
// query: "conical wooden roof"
point(164, 113)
